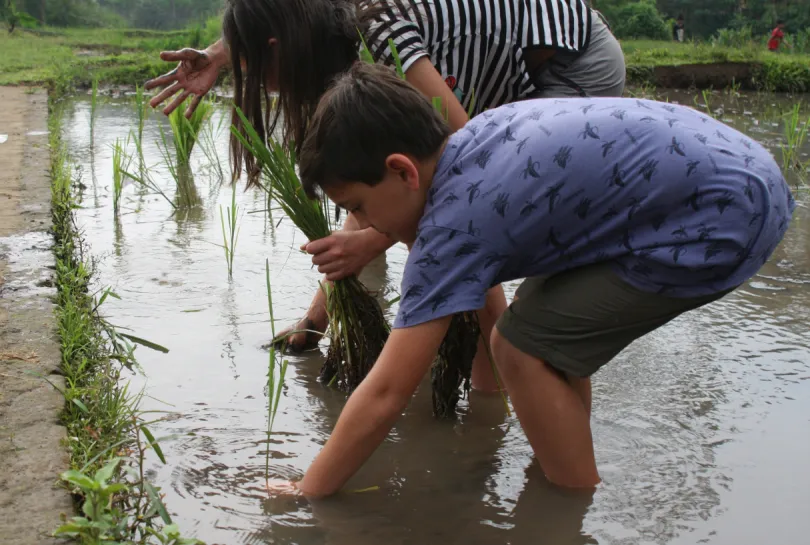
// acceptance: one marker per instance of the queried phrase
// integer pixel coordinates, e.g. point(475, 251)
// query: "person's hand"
point(195, 74)
point(281, 487)
point(341, 254)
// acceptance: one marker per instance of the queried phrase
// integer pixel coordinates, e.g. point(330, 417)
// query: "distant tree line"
point(147, 14)
point(702, 18)
point(628, 18)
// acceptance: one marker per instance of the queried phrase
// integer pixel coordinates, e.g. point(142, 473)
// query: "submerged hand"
point(195, 74)
point(341, 254)
point(280, 487)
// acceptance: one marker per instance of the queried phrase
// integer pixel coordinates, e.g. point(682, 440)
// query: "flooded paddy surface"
point(702, 429)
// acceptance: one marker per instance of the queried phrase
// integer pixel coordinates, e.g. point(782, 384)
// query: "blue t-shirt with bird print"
point(680, 203)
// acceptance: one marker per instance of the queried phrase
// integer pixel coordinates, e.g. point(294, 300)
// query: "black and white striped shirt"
point(477, 45)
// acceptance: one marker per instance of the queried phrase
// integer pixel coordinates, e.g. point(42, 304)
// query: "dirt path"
point(31, 453)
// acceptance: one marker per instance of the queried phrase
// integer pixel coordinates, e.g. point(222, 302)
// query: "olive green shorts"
point(579, 320)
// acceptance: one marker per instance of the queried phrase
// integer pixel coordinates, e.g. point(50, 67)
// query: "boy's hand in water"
point(280, 487)
point(195, 74)
point(346, 253)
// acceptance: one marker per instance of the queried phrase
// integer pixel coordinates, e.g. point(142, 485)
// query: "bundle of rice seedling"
point(453, 366)
point(357, 327)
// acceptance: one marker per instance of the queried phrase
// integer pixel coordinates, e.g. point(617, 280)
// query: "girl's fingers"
point(186, 54)
point(176, 102)
point(164, 94)
point(165, 79)
point(193, 106)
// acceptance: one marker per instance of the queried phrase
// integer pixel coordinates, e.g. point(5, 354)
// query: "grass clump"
point(108, 439)
point(357, 328)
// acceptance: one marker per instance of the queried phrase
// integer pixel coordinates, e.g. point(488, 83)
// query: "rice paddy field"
point(702, 429)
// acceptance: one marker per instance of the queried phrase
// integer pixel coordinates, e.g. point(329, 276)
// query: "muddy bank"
point(748, 76)
point(31, 450)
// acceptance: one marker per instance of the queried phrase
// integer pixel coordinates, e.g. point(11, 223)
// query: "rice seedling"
point(121, 163)
point(707, 103)
point(93, 109)
point(186, 192)
point(275, 373)
point(208, 143)
point(186, 131)
point(230, 231)
point(137, 134)
point(357, 328)
point(795, 136)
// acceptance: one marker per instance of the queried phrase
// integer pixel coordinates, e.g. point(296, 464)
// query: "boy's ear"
point(403, 168)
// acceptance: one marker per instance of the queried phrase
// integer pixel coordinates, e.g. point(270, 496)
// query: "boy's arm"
point(374, 407)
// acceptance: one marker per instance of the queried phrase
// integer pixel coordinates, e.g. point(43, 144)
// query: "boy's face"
point(394, 206)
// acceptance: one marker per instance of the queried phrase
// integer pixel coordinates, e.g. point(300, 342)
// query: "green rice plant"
point(208, 142)
point(795, 136)
point(357, 328)
point(121, 163)
point(186, 194)
point(141, 112)
point(186, 131)
point(276, 370)
point(93, 109)
point(706, 94)
point(230, 231)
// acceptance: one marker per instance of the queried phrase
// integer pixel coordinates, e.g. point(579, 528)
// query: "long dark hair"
point(317, 40)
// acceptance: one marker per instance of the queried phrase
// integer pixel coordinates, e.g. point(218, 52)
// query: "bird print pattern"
point(655, 188)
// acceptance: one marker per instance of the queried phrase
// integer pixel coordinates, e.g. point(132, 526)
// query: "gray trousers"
point(598, 71)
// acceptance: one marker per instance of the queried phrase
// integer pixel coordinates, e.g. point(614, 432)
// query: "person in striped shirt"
point(473, 54)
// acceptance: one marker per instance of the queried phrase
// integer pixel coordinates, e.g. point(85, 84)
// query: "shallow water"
point(702, 429)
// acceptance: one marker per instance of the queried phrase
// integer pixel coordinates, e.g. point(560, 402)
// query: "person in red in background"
point(777, 37)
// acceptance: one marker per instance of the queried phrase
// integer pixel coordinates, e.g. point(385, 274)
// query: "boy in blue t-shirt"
point(621, 214)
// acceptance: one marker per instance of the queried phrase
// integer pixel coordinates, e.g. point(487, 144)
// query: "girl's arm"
point(424, 76)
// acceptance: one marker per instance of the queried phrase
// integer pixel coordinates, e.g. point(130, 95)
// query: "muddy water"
point(702, 428)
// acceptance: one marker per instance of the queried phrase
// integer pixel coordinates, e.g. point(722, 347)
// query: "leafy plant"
point(230, 231)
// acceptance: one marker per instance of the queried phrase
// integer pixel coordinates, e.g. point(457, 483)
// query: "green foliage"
point(639, 20)
point(104, 425)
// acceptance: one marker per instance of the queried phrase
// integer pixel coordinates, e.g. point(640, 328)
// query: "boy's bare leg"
point(552, 413)
point(483, 377)
point(582, 386)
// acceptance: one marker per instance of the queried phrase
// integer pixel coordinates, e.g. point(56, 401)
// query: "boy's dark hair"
point(317, 40)
point(780, 22)
point(368, 114)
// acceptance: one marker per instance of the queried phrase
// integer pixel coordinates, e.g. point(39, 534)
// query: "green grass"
point(107, 436)
point(64, 58)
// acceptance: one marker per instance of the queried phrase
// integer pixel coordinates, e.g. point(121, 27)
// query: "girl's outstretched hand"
point(195, 74)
